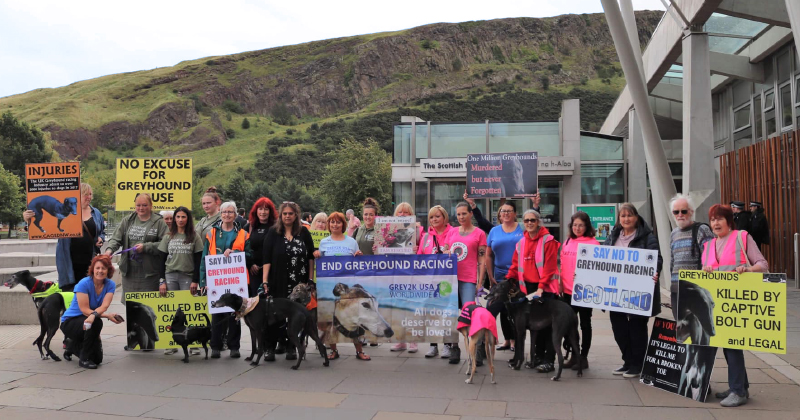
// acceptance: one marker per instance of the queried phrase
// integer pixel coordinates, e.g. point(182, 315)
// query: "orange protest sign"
point(54, 196)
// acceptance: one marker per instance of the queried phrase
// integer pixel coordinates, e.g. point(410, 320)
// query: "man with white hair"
point(686, 243)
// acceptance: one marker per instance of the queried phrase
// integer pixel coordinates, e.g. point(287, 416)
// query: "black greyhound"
point(536, 316)
point(141, 326)
point(49, 311)
point(274, 312)
point(695, 314)
point(183, 335)
point(56, 208)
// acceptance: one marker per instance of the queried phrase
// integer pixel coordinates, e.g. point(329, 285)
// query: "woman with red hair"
point(732, 250)
point(81, 321)
point(262, 217)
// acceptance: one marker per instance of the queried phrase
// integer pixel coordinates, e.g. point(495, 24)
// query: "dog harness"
point(733, 255)
point(248, 305)
point(51, 288)
point(538, 258)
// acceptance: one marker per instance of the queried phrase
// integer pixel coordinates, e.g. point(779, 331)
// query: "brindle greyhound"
point(355, 312)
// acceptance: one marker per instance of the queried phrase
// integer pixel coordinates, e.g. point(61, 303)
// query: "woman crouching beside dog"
point(535, 262)
point(340, 245)
point(288, 260)
point(630, 331)
point(580, 232)
point(81, 322)
point(224, 238)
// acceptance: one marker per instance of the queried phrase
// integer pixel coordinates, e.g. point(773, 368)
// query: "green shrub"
point(202, 172)
point(231, 133)
point(545, 82)
point(233, 106)
point(497, 53)
point(457, 66)
point(546, 47)
point(245, 124)
point(282, 115)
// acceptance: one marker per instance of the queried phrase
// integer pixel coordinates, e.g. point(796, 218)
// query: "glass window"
point(448, 194)
point(759, 122)
point(769, 76)
point(600, 148)
point(784, 67)
point(741, 117)
point(786, 106)
point(401, 192)
point(602, 183)
point(421, 202)
point(542, 137)
point(402, 143)
point(769, 100)
point(743, 138)
point(457, 140)
point(741, 93)
point(797, 111)
point(422, 141)
point(769, 120)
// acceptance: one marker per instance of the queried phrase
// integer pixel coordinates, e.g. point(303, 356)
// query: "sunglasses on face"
point(677, 212)
point(531, 220)
point(506, 211)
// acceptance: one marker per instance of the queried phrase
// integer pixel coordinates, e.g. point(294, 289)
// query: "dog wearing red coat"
point(474, 323)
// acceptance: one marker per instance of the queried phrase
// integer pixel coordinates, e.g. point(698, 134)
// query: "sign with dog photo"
point(167, 180)
point(149, 317)
point(736, 311)
point(54, 196)
point(616, 279)
point(682, 369)
point(498, 175)
point(395, 235)
point(225, 275)
point(388, 298)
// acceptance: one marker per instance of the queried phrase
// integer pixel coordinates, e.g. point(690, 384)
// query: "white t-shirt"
point(330, 248)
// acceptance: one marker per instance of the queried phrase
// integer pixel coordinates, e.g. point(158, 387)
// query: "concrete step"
point(16, 305)
point(26, 259)
point(44, 246)
point(6, 273)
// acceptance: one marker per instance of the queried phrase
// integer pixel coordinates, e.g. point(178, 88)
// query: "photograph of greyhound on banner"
point(152, 319)
point(744, 311)
point(391, 298)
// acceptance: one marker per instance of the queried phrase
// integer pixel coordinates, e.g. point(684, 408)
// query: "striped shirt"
point(683, 257)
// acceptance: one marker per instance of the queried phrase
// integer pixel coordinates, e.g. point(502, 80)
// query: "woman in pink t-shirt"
point(434, 241)
point(469, 244)
point(581, 232)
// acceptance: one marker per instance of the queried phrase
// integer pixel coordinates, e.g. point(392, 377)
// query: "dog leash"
point(133, 255)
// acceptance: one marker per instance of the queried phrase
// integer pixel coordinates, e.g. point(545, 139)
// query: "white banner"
point(225, 275)
point(614, 278)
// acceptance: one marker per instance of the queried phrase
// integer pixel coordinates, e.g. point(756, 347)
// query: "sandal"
point(360, 355)
point(334, 355)
point(503, 347)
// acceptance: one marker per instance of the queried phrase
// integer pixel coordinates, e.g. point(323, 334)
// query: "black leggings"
point(86, 344)
point(585, 319)
point(225, 324)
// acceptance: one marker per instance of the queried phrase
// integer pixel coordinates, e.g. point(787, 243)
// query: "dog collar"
point(345, 332)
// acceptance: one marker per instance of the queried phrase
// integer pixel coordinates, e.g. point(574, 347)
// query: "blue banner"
point(388, 298)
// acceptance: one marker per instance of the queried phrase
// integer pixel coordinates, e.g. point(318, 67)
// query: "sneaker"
point(733, 400)
point(724, 394)
point(291, 354)
point(633, 372)
point(412, 347)
point(620, 370)
point(214, 354)
point(455, 355)
point(281, 348)
point(398, 347)
point(235, 354)
point(432, 352)
point(88, 364)
point(545, 368)
point(194, 351)
point(445, 354)
point(269, 356)
point(170, 351)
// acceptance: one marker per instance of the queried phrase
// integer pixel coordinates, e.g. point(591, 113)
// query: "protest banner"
point(225, 275)
point(318, 236)
point(602, 216)
point(54, 196)
point(389, 298)
point(736, 311)
point(396, 235)
point(167, 180)
point(614, 278)
point(498, 175)
point(682, 369)
point(149, 316)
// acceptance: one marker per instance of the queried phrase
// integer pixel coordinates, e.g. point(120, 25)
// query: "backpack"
point(695, 245)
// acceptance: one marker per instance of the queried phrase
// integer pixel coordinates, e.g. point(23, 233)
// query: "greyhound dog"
point(536, 316)
point(56, 209)
point(474, 323)
point(355, 312)
point(183, 335)
point(695, 314)
point(141, 326)
point(267, 311)
point(306, 295)
point(49, 310)
point(697, 371)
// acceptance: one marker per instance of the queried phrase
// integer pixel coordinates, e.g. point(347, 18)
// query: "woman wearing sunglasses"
point(535, 262)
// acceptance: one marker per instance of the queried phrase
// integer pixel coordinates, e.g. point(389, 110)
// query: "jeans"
point(466, 293)
point(630, 333)
point(737, 374)
point(178, 281)
point(225, 325)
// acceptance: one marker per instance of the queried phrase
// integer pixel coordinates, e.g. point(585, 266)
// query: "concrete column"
point(661, 183)
point(793, 10)
point(637, 168)
point(628, 16)
point(699, 177)
point(570, 128)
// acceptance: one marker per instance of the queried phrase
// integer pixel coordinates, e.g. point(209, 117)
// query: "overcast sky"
point(47, 43)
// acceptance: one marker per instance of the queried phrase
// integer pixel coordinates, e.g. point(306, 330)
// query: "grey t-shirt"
point(180, 256)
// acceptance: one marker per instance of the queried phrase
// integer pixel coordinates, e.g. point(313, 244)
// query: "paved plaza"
point(391, 386)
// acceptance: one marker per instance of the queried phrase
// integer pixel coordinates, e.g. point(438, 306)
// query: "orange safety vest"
point(238, 244)
point(733, 255)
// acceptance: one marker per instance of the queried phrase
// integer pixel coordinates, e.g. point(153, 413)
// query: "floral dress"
point(296, 262)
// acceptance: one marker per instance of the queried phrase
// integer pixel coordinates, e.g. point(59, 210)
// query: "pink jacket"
point(427, 243)
point(569, 258)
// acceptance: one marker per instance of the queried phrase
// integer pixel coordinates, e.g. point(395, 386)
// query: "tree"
point(12, 199)
point(21, 143)
point(357, 171)
point(245, 124)
point(282, 115)
point(287, 189)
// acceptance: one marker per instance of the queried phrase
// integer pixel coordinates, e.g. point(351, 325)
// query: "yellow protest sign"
point(318, 236)
point(737, 311)
point(167, 180)
point(149, 316)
